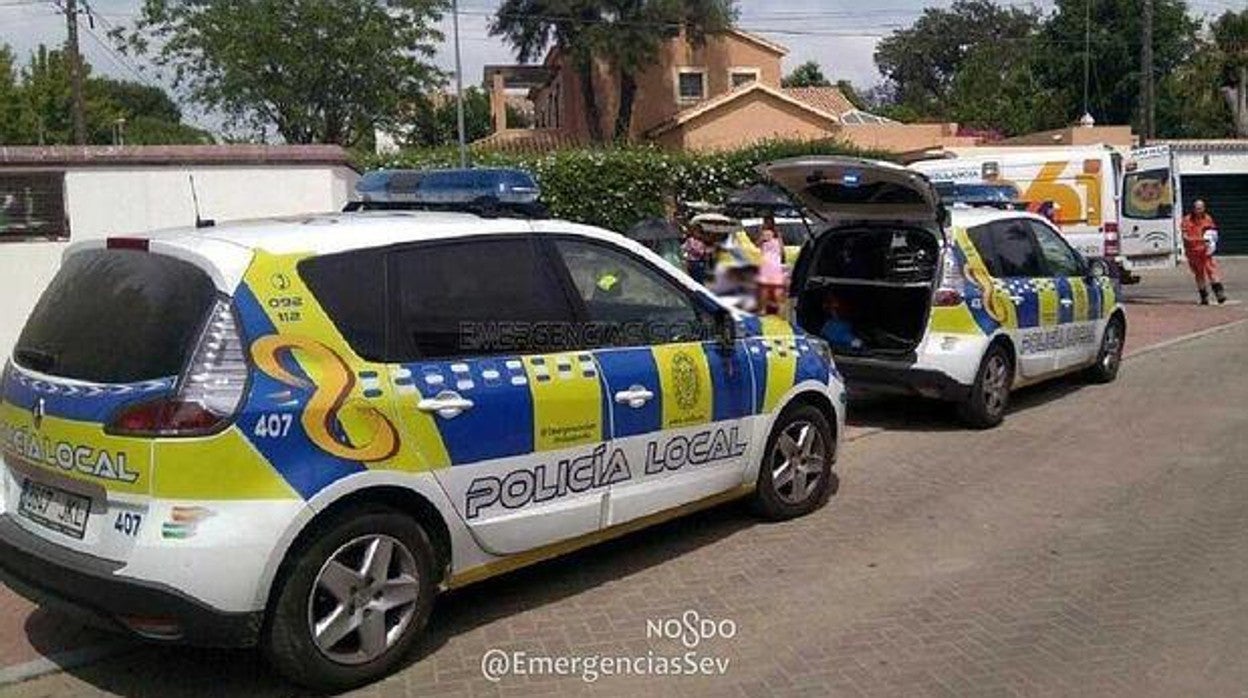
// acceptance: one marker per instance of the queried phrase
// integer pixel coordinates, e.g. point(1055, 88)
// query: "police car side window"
point(981, 238)
point(351, 287)
point(1060, 258)
point(1015, 249)
point(474, 297)
point(634, 304)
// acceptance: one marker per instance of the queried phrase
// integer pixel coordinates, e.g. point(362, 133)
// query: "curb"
point(60, 661)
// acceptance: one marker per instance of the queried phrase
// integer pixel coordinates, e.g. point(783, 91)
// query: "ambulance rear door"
point(1151, 210)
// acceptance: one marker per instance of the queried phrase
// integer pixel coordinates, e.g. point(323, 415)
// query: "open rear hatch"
point(866, 282)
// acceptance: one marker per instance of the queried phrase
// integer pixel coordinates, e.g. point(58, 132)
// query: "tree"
point(434, 119)
point(1115, 54)
point(316, 71)
point(11, 113)
point(1188, 102)
point(624, 35)
point(1000, 91)
point(808, 74)
point(1230, 35)
point(851, 93)
point(921, 63)
point(36, 107)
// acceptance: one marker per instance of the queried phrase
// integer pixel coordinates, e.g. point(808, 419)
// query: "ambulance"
point(1117, 208)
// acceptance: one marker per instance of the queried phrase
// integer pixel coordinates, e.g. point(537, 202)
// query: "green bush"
point(617, 187)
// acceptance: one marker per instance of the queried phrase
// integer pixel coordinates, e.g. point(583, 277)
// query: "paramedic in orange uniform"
point(1199, 258)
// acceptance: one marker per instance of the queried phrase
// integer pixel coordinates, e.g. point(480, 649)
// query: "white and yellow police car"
point(294, 433)
point(961, 304)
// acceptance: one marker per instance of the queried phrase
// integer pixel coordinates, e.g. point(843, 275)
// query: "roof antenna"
point(199, 222)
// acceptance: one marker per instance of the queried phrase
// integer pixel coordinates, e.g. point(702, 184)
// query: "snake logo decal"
point(331, 398)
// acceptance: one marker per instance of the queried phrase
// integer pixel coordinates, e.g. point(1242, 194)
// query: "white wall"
point(1213, 162)
point(103, 202)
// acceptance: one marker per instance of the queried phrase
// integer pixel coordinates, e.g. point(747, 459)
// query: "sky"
point(840, 34)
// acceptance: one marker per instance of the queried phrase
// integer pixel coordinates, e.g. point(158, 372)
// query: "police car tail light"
point(209, 393)
point(949, 293)
point(1113, 244)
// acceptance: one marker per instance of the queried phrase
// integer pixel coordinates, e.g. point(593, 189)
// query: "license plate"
point(55, 508)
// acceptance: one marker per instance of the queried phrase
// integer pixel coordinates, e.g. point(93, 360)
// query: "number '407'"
point(128, 523)
point(273, 426)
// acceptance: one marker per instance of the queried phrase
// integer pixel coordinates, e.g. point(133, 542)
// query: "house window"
point(738, 77)
point(691, 85)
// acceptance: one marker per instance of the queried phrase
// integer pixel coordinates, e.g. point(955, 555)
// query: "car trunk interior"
point(876, 281)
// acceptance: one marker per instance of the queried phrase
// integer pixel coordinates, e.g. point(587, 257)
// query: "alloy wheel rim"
point(1112, 349)
point(996, 385)
point(797, 462)
point(364, 599)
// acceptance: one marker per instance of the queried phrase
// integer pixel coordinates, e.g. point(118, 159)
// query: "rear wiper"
point(35, 359)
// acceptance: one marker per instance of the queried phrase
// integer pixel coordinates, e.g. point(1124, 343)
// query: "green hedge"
point(617, 187)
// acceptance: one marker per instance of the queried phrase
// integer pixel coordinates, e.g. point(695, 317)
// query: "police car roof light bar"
point(486, 192)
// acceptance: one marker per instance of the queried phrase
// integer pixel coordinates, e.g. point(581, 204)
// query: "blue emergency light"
point(448, 188)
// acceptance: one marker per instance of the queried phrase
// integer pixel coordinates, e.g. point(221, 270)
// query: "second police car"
point(961, 304)
point(295, 433)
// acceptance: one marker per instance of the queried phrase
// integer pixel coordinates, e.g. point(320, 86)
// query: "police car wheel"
point(1109, 358)
point(985, 407)
point(353, 601)
point(796, 474)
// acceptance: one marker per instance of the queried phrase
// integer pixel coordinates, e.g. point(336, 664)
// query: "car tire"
point(376, 612)
point(796, 475)
point(1109, 356)
point(985, 407)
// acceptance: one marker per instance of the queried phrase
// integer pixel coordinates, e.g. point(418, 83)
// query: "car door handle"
point(635, 397)
point(447, 404)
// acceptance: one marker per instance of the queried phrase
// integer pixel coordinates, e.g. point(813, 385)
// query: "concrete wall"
point(1119, 136)
point(1213, 162)
point(104, 201)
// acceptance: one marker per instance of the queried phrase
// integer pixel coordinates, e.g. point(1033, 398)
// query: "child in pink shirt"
point(770, 269)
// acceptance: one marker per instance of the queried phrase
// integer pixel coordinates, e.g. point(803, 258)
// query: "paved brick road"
point(1092, 545)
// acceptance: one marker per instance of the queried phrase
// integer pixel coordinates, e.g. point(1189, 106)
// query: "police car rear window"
point(116, 316)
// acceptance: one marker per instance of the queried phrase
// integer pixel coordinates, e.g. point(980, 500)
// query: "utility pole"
point(1148, 106)
point(75, 72)
point(459, 88)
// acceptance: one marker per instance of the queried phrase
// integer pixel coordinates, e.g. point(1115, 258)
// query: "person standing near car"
point(770, 269)
point(697, 253)
point(1199, 248)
